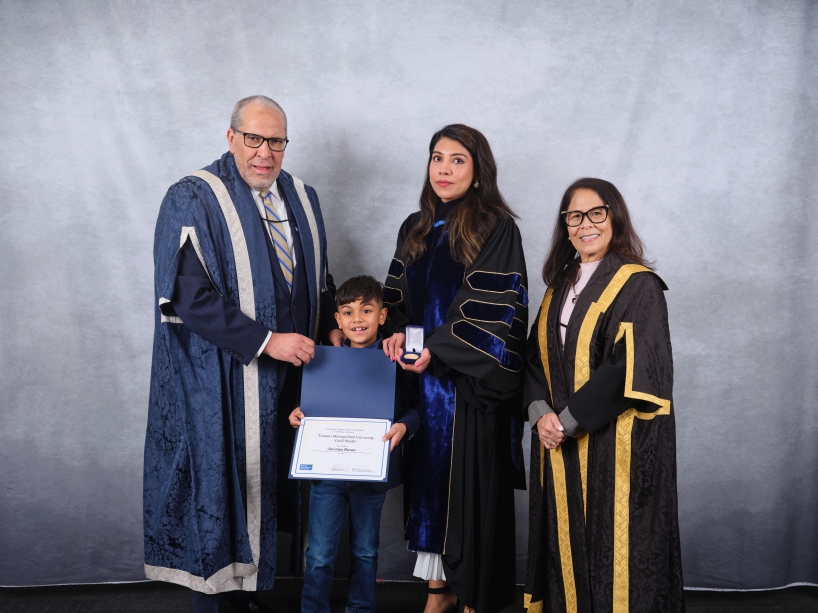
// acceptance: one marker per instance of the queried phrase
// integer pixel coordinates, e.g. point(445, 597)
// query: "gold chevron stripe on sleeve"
point(626, 331)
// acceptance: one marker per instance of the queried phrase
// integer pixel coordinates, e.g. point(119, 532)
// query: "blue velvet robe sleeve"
point(485, 329)
point(486, 325)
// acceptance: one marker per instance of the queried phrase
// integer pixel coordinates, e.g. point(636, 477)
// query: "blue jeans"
point(328, 504)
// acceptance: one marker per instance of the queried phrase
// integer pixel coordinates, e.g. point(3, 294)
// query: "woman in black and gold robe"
point(459, 272)
point(603, 525)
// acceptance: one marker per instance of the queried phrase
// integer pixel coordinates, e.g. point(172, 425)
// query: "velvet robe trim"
point(433, 281)
point(486, 451)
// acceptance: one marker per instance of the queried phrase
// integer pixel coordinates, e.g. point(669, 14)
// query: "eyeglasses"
point(598, 214)
point(254, 141)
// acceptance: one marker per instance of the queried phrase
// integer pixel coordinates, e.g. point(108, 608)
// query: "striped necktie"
point(283, 252)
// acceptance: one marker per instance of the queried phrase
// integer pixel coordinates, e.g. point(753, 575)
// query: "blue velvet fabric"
point(487, 343)
point(433, 281)
point(489, 312)
point(499, 282)
point(194, 463)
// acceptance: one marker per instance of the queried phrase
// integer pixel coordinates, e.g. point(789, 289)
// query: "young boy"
point(360, 311)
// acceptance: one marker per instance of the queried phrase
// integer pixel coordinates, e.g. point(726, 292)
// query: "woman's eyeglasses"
point(598, 214)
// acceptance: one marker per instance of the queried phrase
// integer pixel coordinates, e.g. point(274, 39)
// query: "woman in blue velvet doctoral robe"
point(459, 272)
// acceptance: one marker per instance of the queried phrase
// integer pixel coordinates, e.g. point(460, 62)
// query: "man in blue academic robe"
point(242, 294)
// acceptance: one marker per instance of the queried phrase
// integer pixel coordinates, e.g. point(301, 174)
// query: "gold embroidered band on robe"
point(624, 427)
point(560, 485)
point(542, 336)
point(582, 373)
point(533, 607)
point(622, 479)
point(623, 432)
point(582, 365)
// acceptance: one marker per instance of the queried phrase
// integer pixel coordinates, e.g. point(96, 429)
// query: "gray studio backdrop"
point(703, 114)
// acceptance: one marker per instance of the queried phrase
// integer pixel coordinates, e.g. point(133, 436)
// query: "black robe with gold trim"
point(603, 523)
point(477, 335)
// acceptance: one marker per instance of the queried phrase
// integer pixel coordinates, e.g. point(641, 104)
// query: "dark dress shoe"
point(257, 606)
point(247, 602)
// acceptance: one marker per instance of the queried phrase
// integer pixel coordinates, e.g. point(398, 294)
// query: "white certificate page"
point(346, 449)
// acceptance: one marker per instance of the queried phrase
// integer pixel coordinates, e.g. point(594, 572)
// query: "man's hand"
point(336, 337)
point(550, 430)
point(292, 348)
point(393, 346)
point(420, 365)
point(396, 433)
point(295, 417)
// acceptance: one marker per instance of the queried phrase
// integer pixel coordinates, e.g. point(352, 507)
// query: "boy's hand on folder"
point(393, 346)
point(296, 416)
point(396, 433)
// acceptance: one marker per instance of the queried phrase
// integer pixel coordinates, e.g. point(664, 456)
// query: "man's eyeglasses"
point(254, 141)
point(598, 214)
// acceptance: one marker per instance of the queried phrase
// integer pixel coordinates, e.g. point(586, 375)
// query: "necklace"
point(574, 289)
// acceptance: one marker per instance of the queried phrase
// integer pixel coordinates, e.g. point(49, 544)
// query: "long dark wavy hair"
point(471, 223)
point(562, 264)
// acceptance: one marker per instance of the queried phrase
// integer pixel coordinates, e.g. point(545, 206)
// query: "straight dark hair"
point(473, 220)
point(363, 288)
point(562, 264)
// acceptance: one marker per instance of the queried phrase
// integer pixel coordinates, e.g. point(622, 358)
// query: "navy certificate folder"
point(340, 382)
point(346, 382)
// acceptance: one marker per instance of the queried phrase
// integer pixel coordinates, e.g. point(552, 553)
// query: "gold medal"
point(411, 356)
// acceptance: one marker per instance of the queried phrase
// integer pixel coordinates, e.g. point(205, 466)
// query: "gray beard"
point(260, 187)
point(257, 185)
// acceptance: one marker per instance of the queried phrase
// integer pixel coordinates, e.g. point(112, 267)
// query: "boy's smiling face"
point(359, 321)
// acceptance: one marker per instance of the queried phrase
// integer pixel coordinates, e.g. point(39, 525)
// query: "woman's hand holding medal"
point(393, 347)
